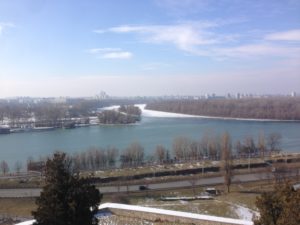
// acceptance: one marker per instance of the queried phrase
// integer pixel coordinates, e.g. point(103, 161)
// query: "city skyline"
point(149, 48)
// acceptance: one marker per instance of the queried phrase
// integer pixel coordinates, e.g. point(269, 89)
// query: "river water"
point(149, 132)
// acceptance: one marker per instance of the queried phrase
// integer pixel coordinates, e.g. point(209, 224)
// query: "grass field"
point(17, 207)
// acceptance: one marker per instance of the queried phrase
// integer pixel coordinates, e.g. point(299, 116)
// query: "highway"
point(34, 192)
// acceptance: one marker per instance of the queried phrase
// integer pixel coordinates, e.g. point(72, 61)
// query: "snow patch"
point(174, 213)
point(30, 222)
point(244, 213)
point(160, 114)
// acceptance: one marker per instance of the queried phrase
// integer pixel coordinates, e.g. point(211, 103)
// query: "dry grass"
point(30, 182)
point(221, 206)
point(122, 220)
point(17, 207)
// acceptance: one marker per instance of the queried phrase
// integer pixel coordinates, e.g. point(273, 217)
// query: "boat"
point(43, 128)
point(4, 129)
point(22, 129)
point(69, 125)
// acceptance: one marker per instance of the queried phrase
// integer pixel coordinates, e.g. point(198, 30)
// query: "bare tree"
point(18, 166)
point(103, 158)
point(4, 167)
point(213, 148)
point(137, 153)
point(227, 163)
point(91, 158)
point(195, 152)
point(29, 161)
point(112, 154)
point(181, 148)
point(83, 161)
point(239, 148)
point(204, 144)
point(76, 162)
point(249, 145)
point(168, 157)
point(132, 155)
point(261, 145)
point(160, 153)
point(274, 142)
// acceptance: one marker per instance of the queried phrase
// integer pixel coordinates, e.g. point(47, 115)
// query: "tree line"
point(210, 147)
point(183, 149)
point(279, 108)
point(51, 113)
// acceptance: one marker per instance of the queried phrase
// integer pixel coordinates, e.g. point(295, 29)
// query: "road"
point(34, 192)
point(187, 183)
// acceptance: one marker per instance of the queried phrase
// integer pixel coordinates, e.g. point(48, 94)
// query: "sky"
point(148, 47)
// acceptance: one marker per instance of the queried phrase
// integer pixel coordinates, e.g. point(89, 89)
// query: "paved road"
point(21, 192)
point(186, 183)
point(33, 192)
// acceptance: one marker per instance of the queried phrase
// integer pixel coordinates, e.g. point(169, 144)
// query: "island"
point(125, 114)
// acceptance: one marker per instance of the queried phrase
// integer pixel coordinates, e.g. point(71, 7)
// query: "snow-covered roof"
point(174, 213)
point(29, 222)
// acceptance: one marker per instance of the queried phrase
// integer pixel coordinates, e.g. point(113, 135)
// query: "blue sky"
point(149, 47)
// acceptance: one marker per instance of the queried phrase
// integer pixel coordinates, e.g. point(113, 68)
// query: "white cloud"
point(203, 39)
point(4, 26)
point(251, 50)
point(111, 53)
point(185, 36)
point(101, 50)
point(290, 35)
point(117, 55)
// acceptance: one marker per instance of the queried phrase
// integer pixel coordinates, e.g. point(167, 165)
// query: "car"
point(143, 188)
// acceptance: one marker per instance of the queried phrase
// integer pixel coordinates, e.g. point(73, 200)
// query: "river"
point(149, 132)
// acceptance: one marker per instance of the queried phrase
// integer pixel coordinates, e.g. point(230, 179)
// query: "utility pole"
point(249, 161)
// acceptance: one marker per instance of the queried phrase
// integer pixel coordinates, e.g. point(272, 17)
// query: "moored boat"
point(43, 128)
point(4, 129)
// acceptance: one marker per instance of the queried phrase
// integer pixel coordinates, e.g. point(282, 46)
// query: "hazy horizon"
point(149, 48)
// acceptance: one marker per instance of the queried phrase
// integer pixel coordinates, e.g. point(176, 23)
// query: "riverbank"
point(161, 114)
point(150, 132)
point(145, 113)
point(259, 109)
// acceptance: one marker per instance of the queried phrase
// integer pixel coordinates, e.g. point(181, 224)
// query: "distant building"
point(36, 166)
point(102, 95)
point(58, 100)
point(293, 94)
